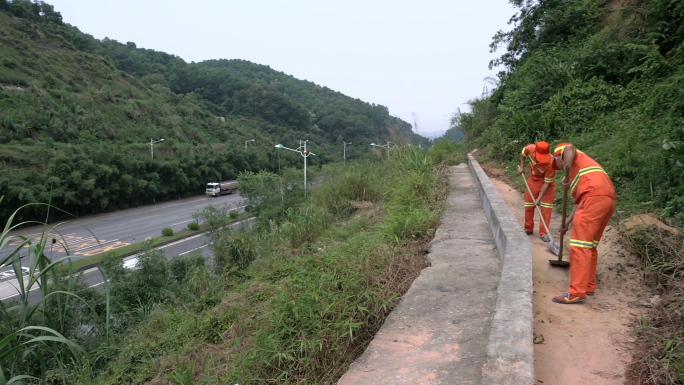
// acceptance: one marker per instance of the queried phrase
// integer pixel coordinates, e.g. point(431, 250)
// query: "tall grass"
point(294, 302)
point(35, 334)
point(660, 338)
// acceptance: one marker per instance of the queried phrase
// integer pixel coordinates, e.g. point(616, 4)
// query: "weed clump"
point(660, 352)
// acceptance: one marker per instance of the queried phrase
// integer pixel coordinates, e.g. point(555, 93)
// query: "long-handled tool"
point(560, 262)
point(553, 246)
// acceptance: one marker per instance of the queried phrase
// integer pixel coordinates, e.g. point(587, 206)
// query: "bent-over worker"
point(542, 183)
point(594, 196)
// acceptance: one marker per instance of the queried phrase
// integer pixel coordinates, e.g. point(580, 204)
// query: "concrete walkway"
point(467, 318)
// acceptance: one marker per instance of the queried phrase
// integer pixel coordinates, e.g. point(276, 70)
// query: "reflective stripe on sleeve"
point(582, 172)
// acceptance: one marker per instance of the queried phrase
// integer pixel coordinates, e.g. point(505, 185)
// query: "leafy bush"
point(233, 214)
point(413, 159)
point(167, 231)
point(270, 195)
point(193, 226)
point(181, 268)
point(135, 292)
point(215, 217)
point(303, 225)
point(446, 153)
point(235, 249)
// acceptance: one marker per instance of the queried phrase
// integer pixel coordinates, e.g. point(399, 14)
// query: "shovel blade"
point(554, 247)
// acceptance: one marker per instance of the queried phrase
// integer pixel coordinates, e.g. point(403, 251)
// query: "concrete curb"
point(510, 350)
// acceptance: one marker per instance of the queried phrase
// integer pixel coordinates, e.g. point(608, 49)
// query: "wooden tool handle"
point(565, 206)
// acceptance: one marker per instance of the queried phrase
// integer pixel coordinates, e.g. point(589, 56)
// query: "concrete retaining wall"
point(510, 350)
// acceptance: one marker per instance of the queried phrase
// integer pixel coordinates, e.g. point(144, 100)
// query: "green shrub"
point(357, 182)
point(167, 231)
point(9, 63)
point(447, 153)
point(235, 249)
point(193, 226)
point(303, 225)
point(413, 159)
point(180, 268)
point(233, 214)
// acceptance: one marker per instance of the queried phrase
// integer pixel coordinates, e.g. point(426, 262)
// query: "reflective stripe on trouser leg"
point(535, 186)
point(547, 208)
point(590, 220)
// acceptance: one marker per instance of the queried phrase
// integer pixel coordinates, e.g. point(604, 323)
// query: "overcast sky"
point(422, 59)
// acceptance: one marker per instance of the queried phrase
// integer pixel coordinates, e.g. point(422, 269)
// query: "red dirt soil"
point(588, 343)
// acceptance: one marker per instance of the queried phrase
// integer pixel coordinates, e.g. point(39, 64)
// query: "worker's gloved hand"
point(565, 229)
point(566, 183)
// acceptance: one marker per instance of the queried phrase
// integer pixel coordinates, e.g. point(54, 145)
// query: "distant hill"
point(77, 115)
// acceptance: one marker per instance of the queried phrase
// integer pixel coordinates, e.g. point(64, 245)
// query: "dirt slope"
point(588, 343)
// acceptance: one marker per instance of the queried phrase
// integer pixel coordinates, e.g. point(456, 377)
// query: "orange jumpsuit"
point(594, 194)
point(540, 173)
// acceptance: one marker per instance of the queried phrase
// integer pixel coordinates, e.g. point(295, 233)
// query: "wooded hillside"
point(77, 115)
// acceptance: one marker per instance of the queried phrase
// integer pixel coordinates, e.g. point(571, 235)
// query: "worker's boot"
point(567, 298)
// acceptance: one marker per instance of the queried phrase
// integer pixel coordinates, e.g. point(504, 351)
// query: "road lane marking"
point(190, 251)
point(189, 220)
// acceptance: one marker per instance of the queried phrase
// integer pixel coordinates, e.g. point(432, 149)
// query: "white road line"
point(189, 220)
point(190, 251)
point(181, 241)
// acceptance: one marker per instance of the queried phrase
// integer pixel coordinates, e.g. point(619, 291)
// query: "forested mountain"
point(77, 116)
point(605, 75)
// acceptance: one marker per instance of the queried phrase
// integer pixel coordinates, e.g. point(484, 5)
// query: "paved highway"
point(93, 277)
point(147, 221)
point(87, 236)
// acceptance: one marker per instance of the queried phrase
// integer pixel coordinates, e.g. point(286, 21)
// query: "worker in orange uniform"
point(594, 196)
point(542, 182)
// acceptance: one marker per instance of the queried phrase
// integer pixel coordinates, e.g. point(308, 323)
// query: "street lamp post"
point(387, 146)
point(344, 151)
point(152, 142)
point(303, 152)
point(247, 141)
